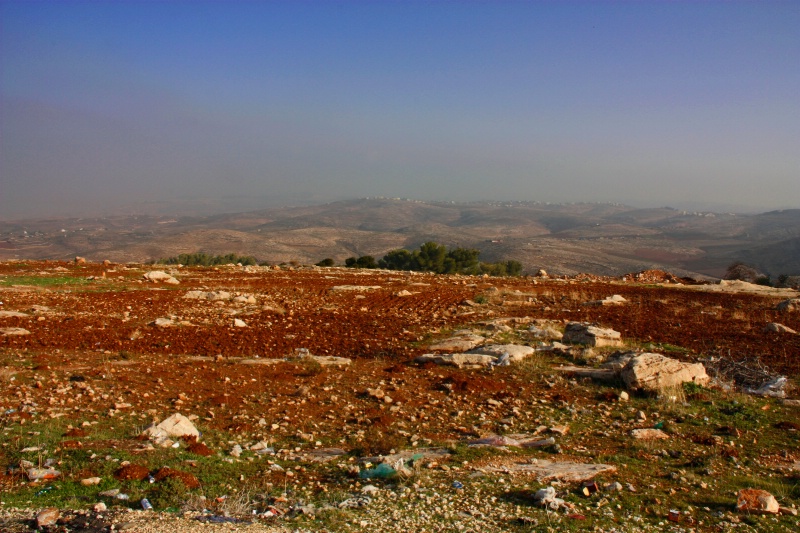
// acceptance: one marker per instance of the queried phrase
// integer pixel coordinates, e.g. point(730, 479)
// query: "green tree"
point(430, 257)
point(366, 261)
point(398, 260)
point(327, 262)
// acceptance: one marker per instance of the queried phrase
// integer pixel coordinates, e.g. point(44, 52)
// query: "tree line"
point(204, 259)
point(434, 257)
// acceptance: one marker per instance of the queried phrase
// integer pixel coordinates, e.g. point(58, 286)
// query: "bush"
point(327, 262)
point(740, 271)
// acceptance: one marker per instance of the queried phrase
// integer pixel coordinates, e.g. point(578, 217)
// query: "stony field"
point(313, 414)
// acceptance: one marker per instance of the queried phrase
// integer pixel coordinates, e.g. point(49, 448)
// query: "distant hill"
point(607, 239)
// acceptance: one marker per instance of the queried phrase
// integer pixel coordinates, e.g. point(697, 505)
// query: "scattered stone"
point(546, 497)
point(774, 327)
point(609, 300)
point(262, 448)
point(582, 333)
point(239, 323)
point(91, 481)
point(99, 507)
point(236, 451)
point(47, 517)
point(649, 434)
point(756, 501)
point(655, 372)
point(623, 396)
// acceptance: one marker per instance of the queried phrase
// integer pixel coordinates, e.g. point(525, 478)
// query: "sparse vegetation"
point(204, 259)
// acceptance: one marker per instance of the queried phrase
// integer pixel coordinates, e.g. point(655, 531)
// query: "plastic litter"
point(45, 490)
point(458, 485)
point(146, 505)
point(36, 474)
point(383, 470)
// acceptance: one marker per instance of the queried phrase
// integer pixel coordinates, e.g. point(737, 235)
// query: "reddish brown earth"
point(95, 349)
point(94, 358)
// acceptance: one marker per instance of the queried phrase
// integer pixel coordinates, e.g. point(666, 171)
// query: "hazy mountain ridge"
point(608, 239)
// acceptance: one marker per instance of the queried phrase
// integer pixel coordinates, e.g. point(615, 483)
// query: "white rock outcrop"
point(655, 372)
point(581, 333)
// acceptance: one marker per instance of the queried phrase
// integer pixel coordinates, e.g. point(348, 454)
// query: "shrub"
point(327, 262)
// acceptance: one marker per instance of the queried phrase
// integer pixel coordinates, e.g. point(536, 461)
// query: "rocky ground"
point(314, 414)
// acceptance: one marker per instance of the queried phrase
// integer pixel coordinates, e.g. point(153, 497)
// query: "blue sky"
point(112, 105)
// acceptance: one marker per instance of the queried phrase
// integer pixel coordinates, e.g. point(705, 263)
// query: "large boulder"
point(582, 333)
point(176, 425)
point(655, 372)
point(774, 327)
point(756, 501)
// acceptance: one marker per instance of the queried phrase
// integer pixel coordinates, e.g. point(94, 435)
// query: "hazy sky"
point(109, 104)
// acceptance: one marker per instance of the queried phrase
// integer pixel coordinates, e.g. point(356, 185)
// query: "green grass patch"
point(43, 281)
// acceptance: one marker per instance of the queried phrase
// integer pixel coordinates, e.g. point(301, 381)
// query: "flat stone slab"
point(14, 331)
point(545, 470)
point(323, 455)
point(405, 455)
point(649, 434)
point(604, 374)
point(259, 361)
point(355, 287)
point(12, 314)
point(516, 352)
point(460, 360)
point(460, 343)
point(330, 360)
